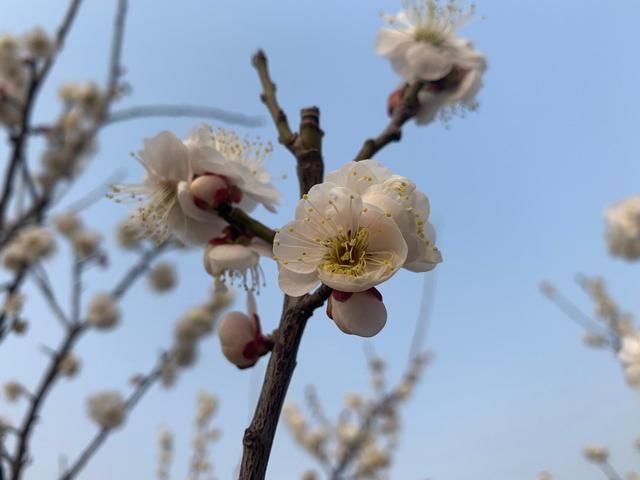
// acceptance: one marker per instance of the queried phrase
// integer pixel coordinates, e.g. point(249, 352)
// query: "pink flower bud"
point(241, 339)
point(360, 313)
point(209, 191)
point(394, 99)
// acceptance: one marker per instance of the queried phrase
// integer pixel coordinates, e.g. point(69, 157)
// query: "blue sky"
point(517, 193)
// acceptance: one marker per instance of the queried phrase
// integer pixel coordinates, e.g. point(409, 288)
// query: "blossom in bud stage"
point(207, 405)
point(422, 45)
point(338, 240)
point(13, 391)
point(85, 243)
point(67, 223)
point(103, 312)
point(360, 313)
point(623, 228)
point(162, 277)
point(38, 43)
point(241, 336)
point(353, 400)
point(401, 201)
point(107, 409)
point(596, 454)
point(629, 355)
point(236, 261)
point(19, 326)
point(13, 303)
point(69, 365)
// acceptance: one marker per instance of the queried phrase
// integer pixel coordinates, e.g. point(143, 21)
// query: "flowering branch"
point(73, 334)
point(37, 79)
point(402, 113)
point(101, 436)
point(307, 149)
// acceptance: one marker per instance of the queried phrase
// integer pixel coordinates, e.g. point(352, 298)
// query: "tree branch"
point(37, 79)
point(404, 112)
point(307, 149)
point(239, 219)
point(147, 111)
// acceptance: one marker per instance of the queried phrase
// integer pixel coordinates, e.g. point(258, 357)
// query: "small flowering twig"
point(101, 436)
point(73, 334)
point(37, 79)
point(12, 289)
point(402, 113)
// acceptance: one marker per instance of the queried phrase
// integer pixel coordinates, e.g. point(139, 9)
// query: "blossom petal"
point(296, 284)
point(166, 157)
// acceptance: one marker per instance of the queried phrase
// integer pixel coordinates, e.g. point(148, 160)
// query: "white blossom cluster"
point(32, 244)
point(421, 43)
point(16, 55)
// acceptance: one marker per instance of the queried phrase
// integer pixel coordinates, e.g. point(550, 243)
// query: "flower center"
point(433, 22)
point(347, 254)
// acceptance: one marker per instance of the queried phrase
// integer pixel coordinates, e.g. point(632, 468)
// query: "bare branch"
point(404, 112)
point(43, 282)
point(212, 113)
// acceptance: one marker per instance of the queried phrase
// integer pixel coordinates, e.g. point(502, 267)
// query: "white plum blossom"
point(422, 45)
point(623, 228)
point(67, 223)
point(37, 42)
point(106, 409)
point(162, 277)
point(596, 454)
point(241, 336)
point(399, 199)
point(186, 181)
point(170, 206)
point(360, 313)
point(338, 240)
point(629, 356)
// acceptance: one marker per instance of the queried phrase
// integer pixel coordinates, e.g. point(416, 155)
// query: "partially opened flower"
point(399, 199)
point(107, 409)
point(422, 45)
point(236, 261)
point(339, 241)
point(360, 313)
point(241, 336)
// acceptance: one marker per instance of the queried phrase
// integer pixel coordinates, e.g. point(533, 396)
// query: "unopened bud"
point(360, 313)
point(241, 339)
point(209, 191)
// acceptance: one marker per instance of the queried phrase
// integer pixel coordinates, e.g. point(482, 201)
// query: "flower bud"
point(239, 335)
point(209, 191)
point(360, 313)
point(394, 99)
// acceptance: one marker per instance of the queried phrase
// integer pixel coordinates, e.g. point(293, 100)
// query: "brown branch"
point(102, 434)
point(212, 113)
point(404, 112)
point(13, 288)
point(239, 219)
point(285, 136)
point(37, 79)
point(307, 149)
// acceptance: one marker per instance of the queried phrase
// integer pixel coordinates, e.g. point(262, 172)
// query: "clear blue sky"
point(517, 193)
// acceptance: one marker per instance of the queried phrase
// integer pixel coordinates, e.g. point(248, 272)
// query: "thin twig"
point(404, 112)
point(42, 281)
point(12, 289)
point(239, 219)
point(102, 434)
point(212, 113)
